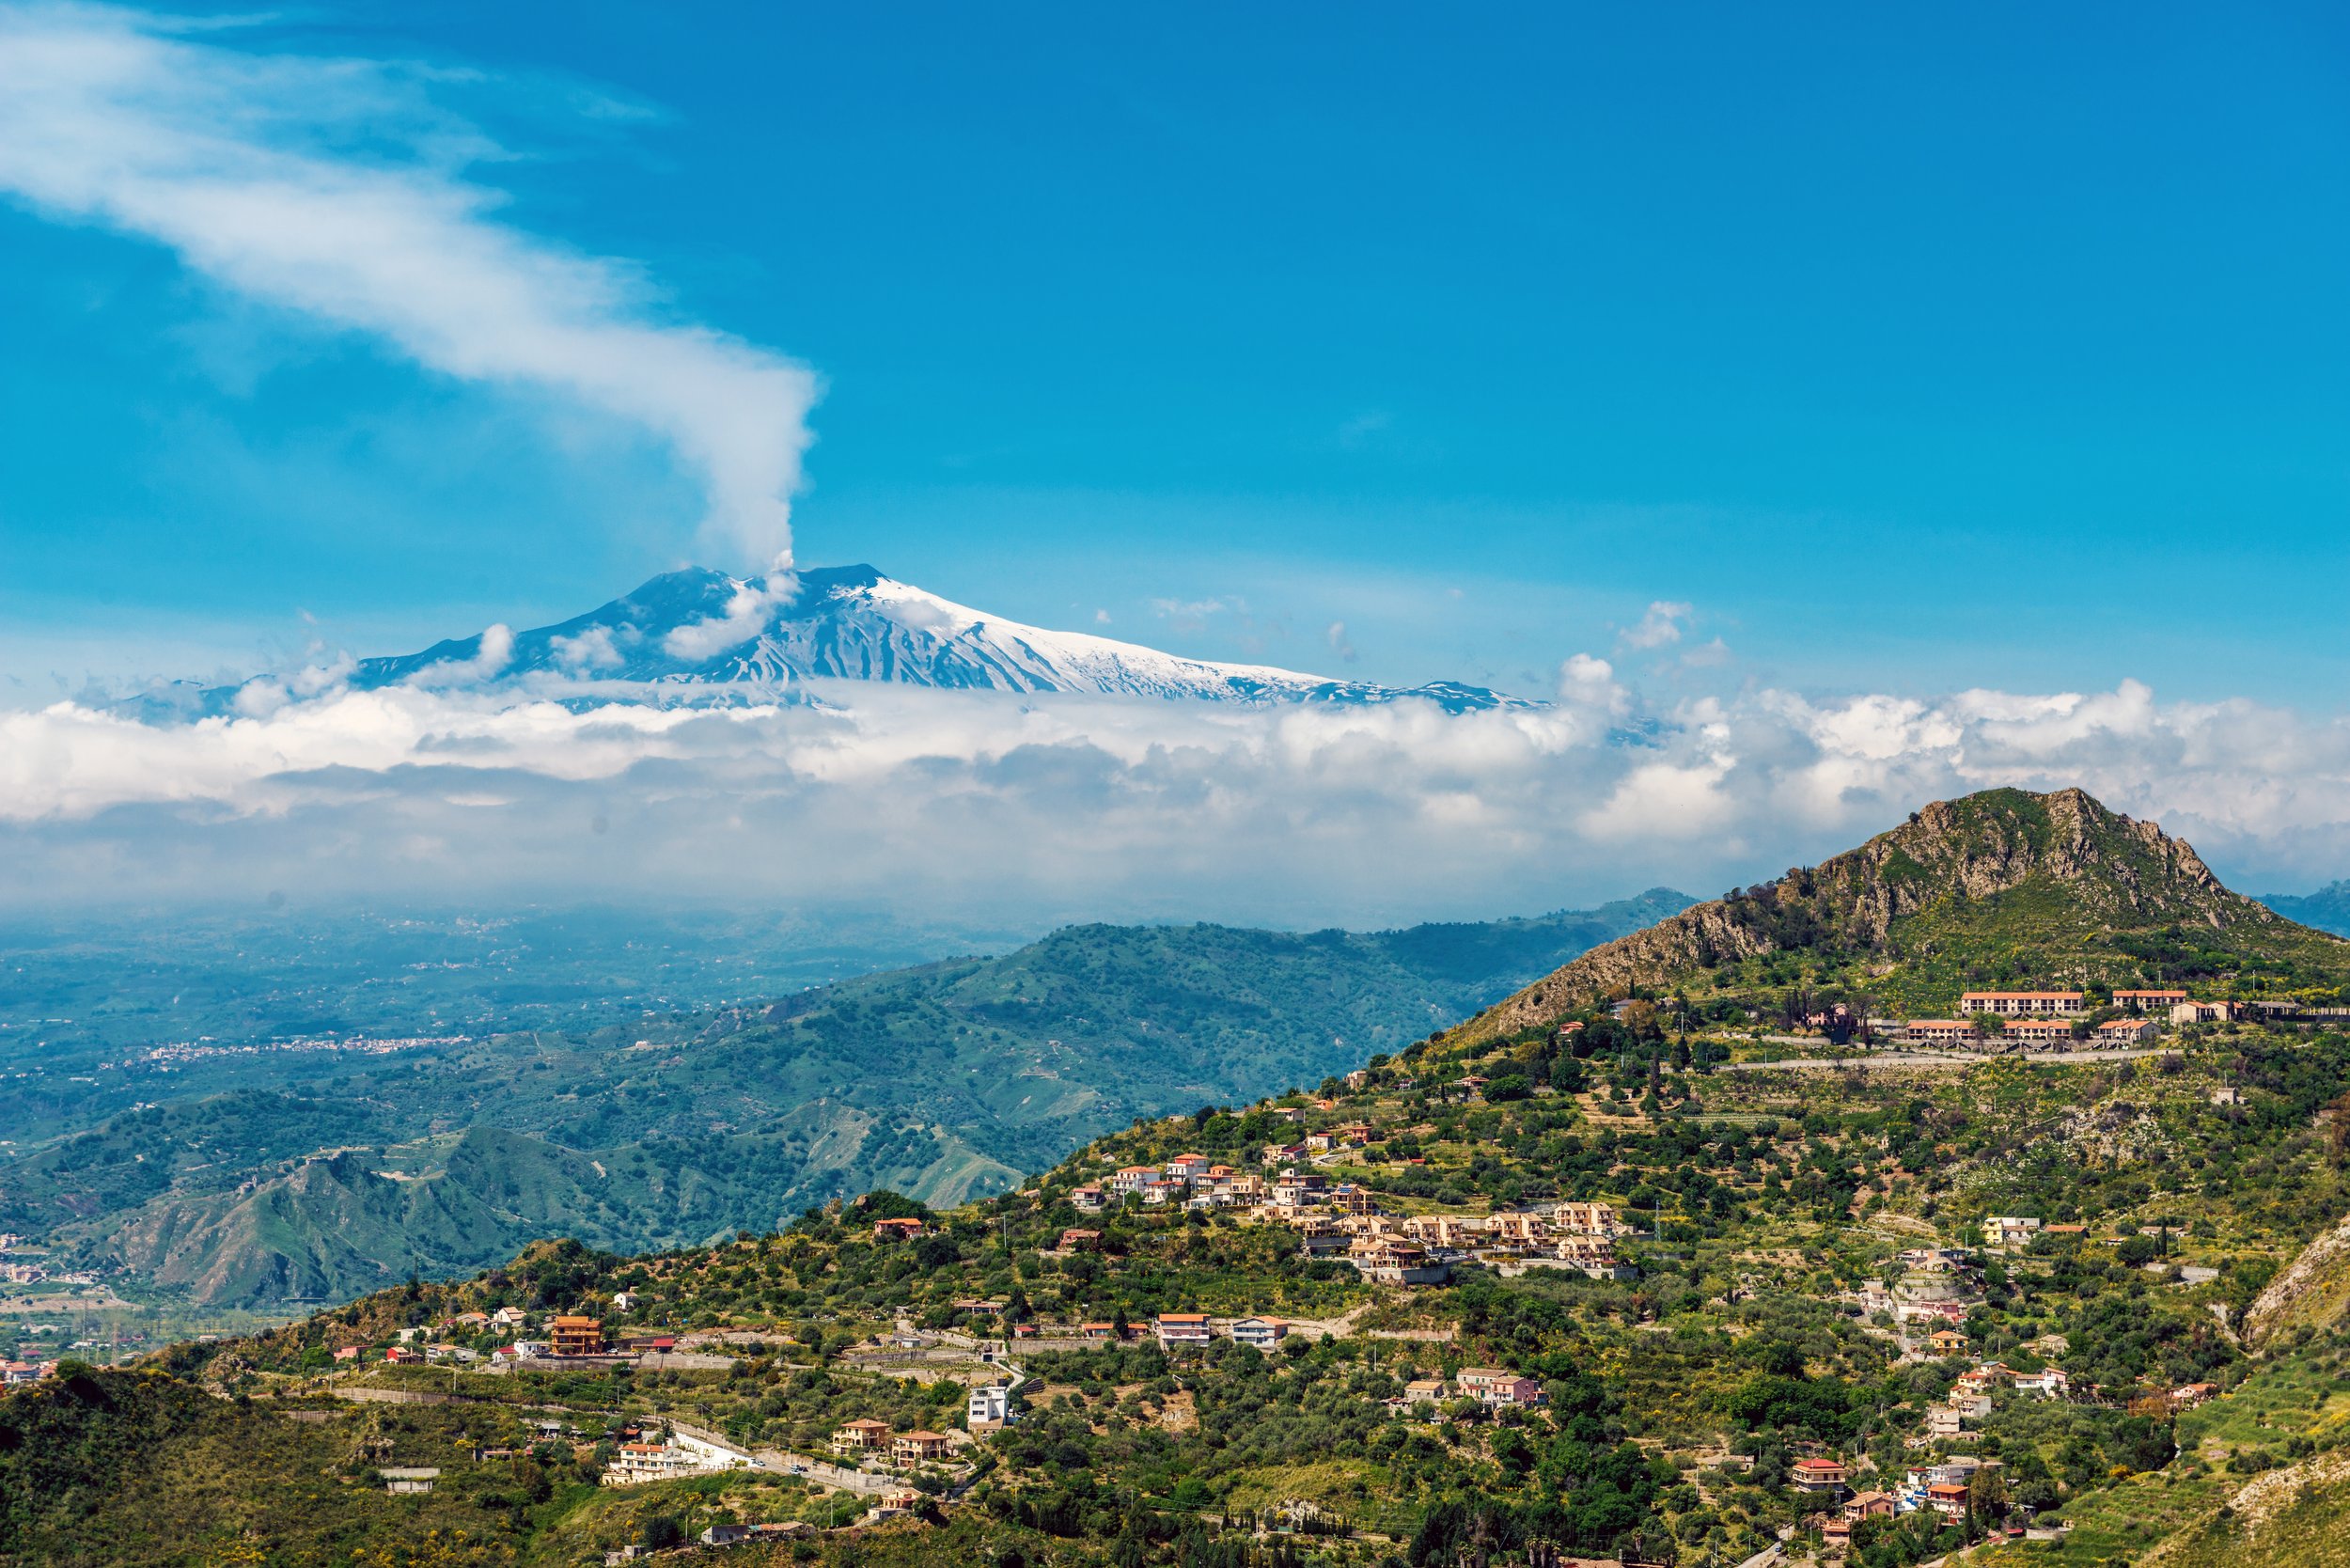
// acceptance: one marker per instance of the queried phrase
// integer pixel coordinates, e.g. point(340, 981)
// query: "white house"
point(639, 1463)
point(1182, 1329)
point(1188, 1167)
point(1263, 1333)
point(990, 1401)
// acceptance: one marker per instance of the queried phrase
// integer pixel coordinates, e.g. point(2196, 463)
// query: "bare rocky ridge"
point(1880, 901)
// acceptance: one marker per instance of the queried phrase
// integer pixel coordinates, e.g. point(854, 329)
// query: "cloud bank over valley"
point(1029, 808)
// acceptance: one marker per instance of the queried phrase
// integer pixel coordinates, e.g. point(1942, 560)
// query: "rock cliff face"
point(2313, 1290)
point(1886, 899)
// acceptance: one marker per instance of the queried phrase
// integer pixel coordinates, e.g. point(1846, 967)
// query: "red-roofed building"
point(1820, 1475)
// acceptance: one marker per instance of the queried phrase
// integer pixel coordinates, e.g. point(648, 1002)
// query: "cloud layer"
point(1029, 808)
point(337, 188)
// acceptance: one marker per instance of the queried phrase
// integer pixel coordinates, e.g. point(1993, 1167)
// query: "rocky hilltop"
point(2003, 886)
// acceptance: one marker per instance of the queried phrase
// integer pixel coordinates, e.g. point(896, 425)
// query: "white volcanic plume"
point(337, 188)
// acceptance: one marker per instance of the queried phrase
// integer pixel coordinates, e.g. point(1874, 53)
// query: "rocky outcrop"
point(2297, 1517)
point(2313, 1290)
point(2118, 872)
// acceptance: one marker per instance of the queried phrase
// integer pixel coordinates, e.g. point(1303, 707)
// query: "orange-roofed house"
point(862, 1436)
point(577, 1335)
point(1820, 1475)
point(918, 1448)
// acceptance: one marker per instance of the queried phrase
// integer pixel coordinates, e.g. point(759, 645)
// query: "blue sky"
point(1914, 351)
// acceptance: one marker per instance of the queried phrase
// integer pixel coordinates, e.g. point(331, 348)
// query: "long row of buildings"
point(2048, 1017)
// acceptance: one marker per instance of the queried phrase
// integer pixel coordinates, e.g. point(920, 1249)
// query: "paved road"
point(779, 1461)
point(784, 1461)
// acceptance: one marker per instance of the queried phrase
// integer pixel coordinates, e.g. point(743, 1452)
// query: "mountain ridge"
point(2327, 909)
point(1907, 913)
point(697, 636)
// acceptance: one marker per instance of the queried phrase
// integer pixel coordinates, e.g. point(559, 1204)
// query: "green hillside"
point(2000, 889)
point(1783, 1231)
point(1771, 1210)
point(943, 1081)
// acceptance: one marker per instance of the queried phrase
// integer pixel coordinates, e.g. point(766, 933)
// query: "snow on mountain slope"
point(697, 636)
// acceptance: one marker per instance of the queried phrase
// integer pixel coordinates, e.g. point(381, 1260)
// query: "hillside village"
point(1688, 1274)
point(1855, 1371)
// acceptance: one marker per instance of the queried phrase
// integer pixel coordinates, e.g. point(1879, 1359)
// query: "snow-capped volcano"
point(698, 634)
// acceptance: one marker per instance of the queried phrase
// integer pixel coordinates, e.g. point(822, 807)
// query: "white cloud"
point(1339, 643)
point(1192, 615)
point(588, 651)
point(1589, 683)
point(1066, 808)
point(744, 618)
point(493, 652)
point(1660, 626)
point(336, 187)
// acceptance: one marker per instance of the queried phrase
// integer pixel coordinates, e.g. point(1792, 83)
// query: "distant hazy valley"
point(475, 1087)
